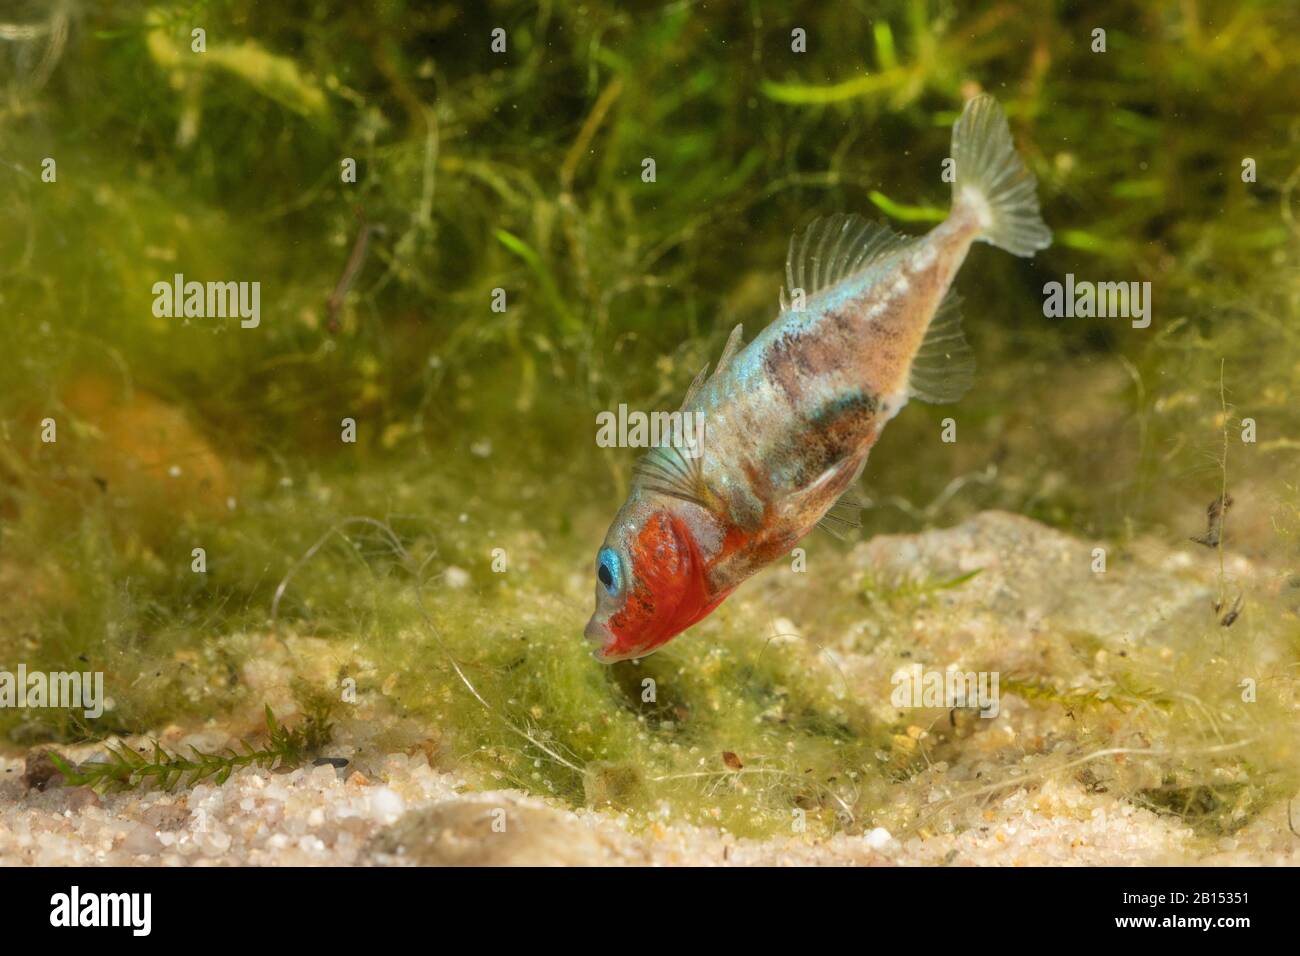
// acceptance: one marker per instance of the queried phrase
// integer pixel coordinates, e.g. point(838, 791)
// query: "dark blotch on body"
point(799, 357)
point(836, 431)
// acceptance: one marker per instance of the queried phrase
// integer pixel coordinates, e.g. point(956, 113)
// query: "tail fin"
point(992, 181)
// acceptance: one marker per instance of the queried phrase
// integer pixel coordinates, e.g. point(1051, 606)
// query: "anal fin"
point(943, 369)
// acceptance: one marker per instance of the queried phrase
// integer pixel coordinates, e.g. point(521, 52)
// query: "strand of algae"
point(417, 573)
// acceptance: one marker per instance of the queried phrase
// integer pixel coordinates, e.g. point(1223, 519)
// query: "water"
point(446, 261)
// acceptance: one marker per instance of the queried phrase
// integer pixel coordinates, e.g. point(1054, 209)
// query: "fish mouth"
point(603, 643)
point(600, 637)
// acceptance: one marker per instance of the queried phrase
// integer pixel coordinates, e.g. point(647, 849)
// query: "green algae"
point(523, 173)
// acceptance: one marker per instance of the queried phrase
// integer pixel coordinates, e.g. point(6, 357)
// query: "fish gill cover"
point(310, 311)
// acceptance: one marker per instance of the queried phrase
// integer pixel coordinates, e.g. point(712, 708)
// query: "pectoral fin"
point(669, 470)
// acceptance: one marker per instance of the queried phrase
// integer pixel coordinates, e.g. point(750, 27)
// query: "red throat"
point(670, 591)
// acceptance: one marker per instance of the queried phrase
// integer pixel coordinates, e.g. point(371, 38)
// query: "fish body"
point(867, 322)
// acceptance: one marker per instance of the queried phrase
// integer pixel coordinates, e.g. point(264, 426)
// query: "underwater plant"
point(122, 766)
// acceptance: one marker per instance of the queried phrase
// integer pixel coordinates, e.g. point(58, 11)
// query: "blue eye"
point(608, 570)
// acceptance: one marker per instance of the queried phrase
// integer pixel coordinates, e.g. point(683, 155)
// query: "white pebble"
point(878, 839)
point(386, 804)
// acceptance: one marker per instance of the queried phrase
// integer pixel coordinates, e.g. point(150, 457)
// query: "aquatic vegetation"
point(121, 766)
point(474, 461)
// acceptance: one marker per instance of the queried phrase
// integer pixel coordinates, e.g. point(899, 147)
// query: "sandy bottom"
point(410, 813)
point(385, 808)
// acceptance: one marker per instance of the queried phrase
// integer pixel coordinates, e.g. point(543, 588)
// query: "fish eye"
point(607, 569)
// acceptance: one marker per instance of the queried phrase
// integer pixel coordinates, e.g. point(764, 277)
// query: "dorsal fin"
point(833, 248)
point(944, 366)
point(696, 384)
point(735, 341)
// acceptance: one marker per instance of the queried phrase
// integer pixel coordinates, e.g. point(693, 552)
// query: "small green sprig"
point(126, 768)
point(1122, 697)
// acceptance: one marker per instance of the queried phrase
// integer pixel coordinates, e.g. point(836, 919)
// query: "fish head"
point(650, 582)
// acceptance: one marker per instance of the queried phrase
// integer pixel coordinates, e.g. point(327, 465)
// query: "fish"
point(868, 321)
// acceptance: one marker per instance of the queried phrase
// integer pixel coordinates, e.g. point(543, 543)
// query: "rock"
point(79, 798)
point(166, 817)
point(385, 804)
point(1034, 605)
point(140, 839)
point(1031, 578)
point(482, 832)
point(40, 771)
point(878, 839)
